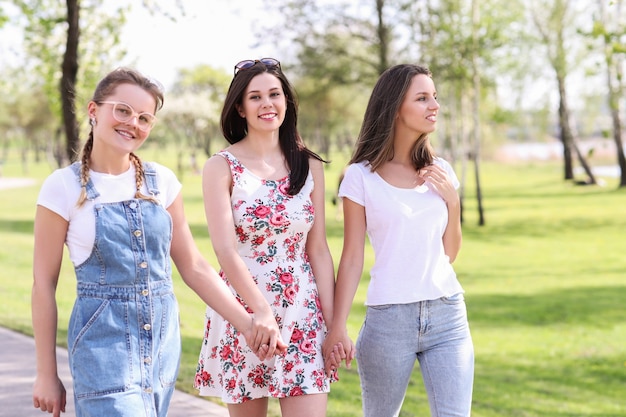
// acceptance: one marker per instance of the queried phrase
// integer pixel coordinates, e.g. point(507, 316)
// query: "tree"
point(551, 21)
point(69, 72)
point(70, 50)
point(609, 26)
point(55, 36)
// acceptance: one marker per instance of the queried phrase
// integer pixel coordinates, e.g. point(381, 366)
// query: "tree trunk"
point(614, 76)
point(68, 81)
point(383, 37)
point(476, 110)
point(617, 137)
point(565, 133)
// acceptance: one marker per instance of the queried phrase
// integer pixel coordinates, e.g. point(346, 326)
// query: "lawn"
point(545, 283)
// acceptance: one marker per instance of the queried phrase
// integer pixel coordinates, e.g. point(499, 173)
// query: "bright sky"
point(216, 32)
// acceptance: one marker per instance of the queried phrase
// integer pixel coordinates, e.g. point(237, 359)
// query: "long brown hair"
point(375, 140)
point(105, 88)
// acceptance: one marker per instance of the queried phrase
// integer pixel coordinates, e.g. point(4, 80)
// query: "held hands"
point(49, 395)
point(337, 347)
point(263, 337)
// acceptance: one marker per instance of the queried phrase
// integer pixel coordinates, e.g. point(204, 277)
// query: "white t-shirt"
point(60, 192)
point(405, 228)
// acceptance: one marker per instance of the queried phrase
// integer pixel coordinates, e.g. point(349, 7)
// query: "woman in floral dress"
point(264, 203)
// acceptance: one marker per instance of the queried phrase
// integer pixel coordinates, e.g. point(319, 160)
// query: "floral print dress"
point(271, 229)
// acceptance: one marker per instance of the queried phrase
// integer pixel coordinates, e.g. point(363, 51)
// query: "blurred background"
point(532, 120)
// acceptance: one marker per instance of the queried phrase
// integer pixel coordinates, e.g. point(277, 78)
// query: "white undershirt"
point(405, 228)
point(60, 191)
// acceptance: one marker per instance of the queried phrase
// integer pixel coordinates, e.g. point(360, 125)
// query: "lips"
point(125, 133)
point(268, 116)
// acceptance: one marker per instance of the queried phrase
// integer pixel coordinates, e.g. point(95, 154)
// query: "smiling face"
point(418, 112)
point(263, 104)
point(116, 136)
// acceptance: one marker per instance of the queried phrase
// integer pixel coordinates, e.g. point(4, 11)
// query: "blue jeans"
point(436, 333)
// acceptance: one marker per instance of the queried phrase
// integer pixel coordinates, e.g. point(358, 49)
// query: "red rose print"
point(283, 188)
point(278, 220)
point(290, 294)
point(307, 347)
point(225, 353)
point(297, 335)
point(262, 211)
point(231, 384)
point(286, 278)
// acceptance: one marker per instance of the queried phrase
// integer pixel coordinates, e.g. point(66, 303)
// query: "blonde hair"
point(104, 89)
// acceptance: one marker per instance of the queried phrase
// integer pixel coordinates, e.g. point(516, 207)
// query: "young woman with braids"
point(121, 219)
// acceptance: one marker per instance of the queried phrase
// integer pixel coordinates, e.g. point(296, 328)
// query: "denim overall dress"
point(123, 336)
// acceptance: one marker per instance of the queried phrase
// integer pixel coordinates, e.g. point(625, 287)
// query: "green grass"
point(545, 283)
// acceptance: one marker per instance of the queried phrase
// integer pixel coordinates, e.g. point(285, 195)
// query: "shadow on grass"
point(539, 226)
point(594, 306)
point(555, 387)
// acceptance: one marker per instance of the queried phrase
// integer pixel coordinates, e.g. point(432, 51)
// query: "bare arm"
point(50, 232)
point(317, 245)
point(200, 276)
point(216, 183)
point(348, 278)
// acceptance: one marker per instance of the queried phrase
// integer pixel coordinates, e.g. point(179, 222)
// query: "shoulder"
point(62, 177)
point(220, 162)
point(443, 164)
point(449, 170)
point(315, 164)
point(165, 173)
point(360, 169)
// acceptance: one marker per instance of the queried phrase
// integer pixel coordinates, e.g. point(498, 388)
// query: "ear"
point(240, 111)
point(91, 109)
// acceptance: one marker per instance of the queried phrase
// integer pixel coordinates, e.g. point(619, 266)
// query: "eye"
point(124, 110)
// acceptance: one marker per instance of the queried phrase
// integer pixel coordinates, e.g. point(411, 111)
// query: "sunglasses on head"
point(248, 63)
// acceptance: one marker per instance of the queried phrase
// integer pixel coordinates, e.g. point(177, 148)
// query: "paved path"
point(17, 371)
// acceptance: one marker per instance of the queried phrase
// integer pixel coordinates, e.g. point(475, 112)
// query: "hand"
point(333, 361)
point(438, 178)
point(264, 337)
point(337, 347)
point(49, 395)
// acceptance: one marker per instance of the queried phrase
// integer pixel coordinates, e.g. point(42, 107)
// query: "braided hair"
point(104, 89)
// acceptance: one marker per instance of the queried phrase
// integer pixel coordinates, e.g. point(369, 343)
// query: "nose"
point(267, 102)
point(134, 120)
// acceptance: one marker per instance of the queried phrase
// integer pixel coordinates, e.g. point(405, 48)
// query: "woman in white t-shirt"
point(121, 220)
point(404, 197)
